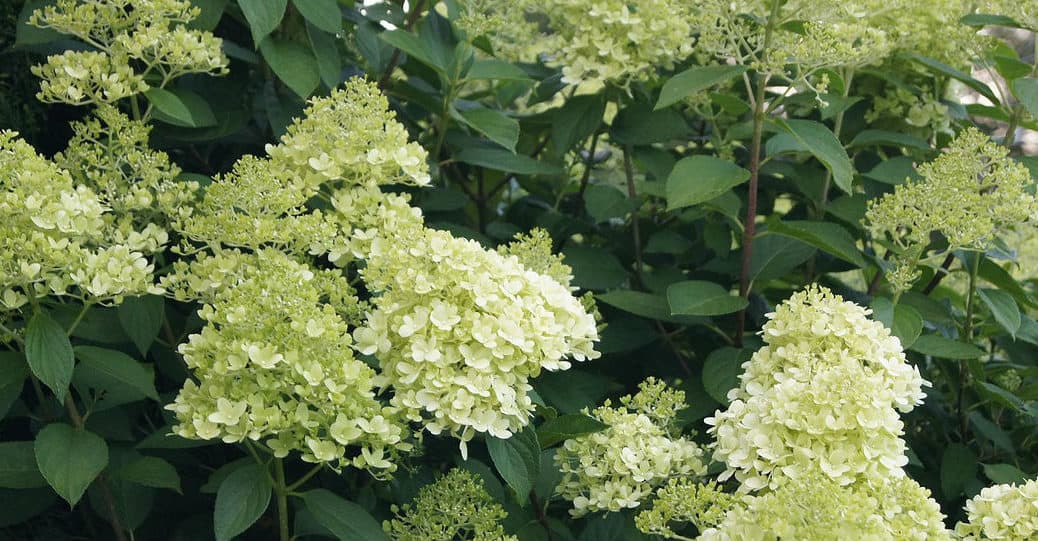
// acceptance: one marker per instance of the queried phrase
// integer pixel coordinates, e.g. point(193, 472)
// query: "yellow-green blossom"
point(971, 194)
point(274, 364)
point(619, 467)
point(684, 501)
point(1006, 512)
point(823, 393)
point(454, 508)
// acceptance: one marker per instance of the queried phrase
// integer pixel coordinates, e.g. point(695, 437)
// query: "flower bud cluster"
point(619, 467)
point(456, 506)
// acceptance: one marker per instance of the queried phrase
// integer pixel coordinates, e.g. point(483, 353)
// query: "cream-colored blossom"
point(455, 507)
point(1006, 512)
point(823, 393)
point(620, 467)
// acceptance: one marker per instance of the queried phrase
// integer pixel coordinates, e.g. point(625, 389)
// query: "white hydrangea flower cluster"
point(824, 392)
point(817, 508)
point(619, 467)
point(1006, 512)
point(618, 41)
point(459, 330)
point(147, 33)
point(274, 364)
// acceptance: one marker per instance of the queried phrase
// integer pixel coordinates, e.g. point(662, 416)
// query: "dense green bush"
point(581, 270)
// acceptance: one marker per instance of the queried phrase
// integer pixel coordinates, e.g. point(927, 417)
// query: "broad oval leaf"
point(700, 178)
point(518, 460)
point(826, 236)
point(49, 353)
point(903, 321)
point(324, 14)
point(141, 318)
point(18, 467)
point(816, 138)
point(343, 518)
point(693, 80)
point(114, 371)
point(503, 160)
point(13, 371)
point(721, 372)
point(294, 64)
point(263, 16)
point(1003, 307)
point(181, 108)
point(958, 468)
point(701, 298)
point(70, 459)
point(241, 499)
point(152, 472)
point(576, 120)
point(497, 126)
point(567, 427)
point(945, 348)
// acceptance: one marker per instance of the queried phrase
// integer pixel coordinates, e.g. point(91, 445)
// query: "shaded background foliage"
point(644, 189)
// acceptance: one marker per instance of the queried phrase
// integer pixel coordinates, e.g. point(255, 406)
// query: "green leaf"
point(962, 77)
point(567, 427)
point(18, 467)
point(345, 519)
point(640, 125)
point(1004, 474)
point(639, 303)
point(992, 432)
point(492, 68)
point(817, 139)
point(117, 371)
point(888, 138)
point(694, 80)
point(141, 318)
point(241, 499)
point(594, 268)
point(1026, 91)
point(22, 504)
point(325, 47)
point(700, 298)
point(828, 237)
point(903, 321)
point(575, 121)
point(324, 14)
point(415, 48)
point(49, 353)
point(697, 179)
point(497, 126)
point(945, 348)
point(263, 16)
point(181, 108)
point(13, 372)
point(212, 12)
point(69, 459)
point(1003, 307)
point(503, 160)
point(604, 202)
point(958, 468)
point(894, 171)
point(151, 471)
point(721, 372)
point(573, 390)
point(294, 64)
point(983, 19)
point(518, 460)
point(775, 256)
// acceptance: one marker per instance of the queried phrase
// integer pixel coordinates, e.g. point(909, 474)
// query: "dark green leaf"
point(640, 125)
point(69, 459)
point(345, 519)
point(962, 77)
point(983, 19)
point(497, 126)
point(567, 427)
point(141, 318)
point(945, 348)
point(1004, 474)
point(324, 14)
point(23, 504)
point(700, 178)
point(13, 372)
point(18, 467)
point(721, 372)
point(775, 256)
point(999, 437)
point(49, 353)
point(263, 16)
point(294, 64)
point(573, 390)
point(828, 237)
point(181, 108)
point(503, 160)
point(888, 138)
point(212, 12)
point(695, 80)
point(642, 304)
point(817, 139)
point(604, 202)
point(242, 498)
point(116, 371)
point(415, 47)
point(700, 298)
point(575, 121)
point(325, 47)
point(1026, 91)
point(1003, 307)
point(894, 171)
point(517, 459)
point(958, 467)
point(492, 68)
point(151, 471)
point(903, 321)
point(594, 268)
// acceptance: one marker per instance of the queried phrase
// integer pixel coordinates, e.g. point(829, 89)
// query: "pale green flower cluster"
point(615, 41)
point(460, 330)
point(619, 467)
point(823, 393)
point(274, 365)
point(703, 506)
point(922, 111)
point(815, 507)
point(1006, 512)
point(971, 194)
point(510, 27)
point(454, 508)
point(126, 33)
point(58, 237)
